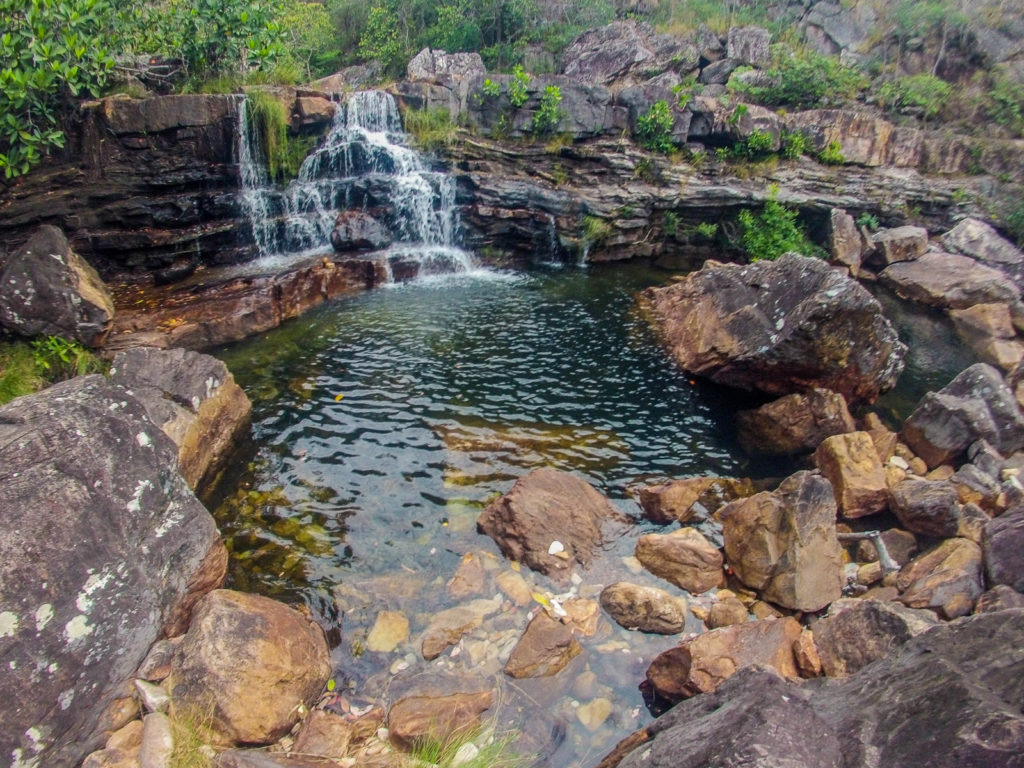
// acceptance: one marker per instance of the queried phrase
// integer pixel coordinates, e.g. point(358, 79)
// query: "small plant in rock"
point(430, 128)
point(773, 231)
point(517, 87)
point(548, 114)
point(868, 220)
point(490, 88)
point(793, 145)
point(595, 230)
point(832, 154)
point(654, 128)
point(757, 145)
point(670, 223)
point(27, 367)
point(707, 229)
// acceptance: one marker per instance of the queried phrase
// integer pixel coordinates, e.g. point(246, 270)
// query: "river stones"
point(1004, 549)
point(928, 507)
point(851, 464)
point(793, 424)
point(646, 609)
point(678, 500)
point(949, 281)
point(948, 579)
point(442, 719)
point(683, 557)
point(544, 649)
point(779, 327)
point(548, 521)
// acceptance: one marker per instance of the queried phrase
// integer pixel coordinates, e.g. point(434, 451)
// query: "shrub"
point(654, 128)
point(670, 223)
point(773, 231)
point(707, 230)
point(27, 367)
point(491, 88)
point(793, 145)
point(832, 154)
point(803, 79)
point(1006, 104)
point(868, 220)
point(548, 114)
point(517, 87)
point(923, 92)
point(758, 144)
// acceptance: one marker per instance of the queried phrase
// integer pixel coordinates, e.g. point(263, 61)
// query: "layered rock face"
point(104, 548)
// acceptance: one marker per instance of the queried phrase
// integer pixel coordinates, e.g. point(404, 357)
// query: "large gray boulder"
point(46, 289)
point(103, 549)
point(949, 281)
point(625, 53)
point(441, 66)
point(779, 327)
point(980, 241)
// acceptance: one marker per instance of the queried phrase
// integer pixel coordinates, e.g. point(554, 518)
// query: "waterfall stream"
point(363, 164)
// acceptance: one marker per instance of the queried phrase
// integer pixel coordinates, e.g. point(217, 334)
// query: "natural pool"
point(384, 423)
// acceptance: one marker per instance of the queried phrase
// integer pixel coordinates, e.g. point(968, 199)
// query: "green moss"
point(283, 153)
point(430, 128)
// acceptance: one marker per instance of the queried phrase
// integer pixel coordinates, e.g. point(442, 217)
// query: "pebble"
point(464, 754)
point(594, 713)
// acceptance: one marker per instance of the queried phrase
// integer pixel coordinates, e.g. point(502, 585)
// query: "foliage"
point(380, 40)
point(309, 37)
point(773, 231)
point(793, 145)
point(1006, 104)
point(707, 229)
point(757, 145)
point(923, 92)
point(868, 220)
point(803, 79)
point(1013, 221)
point(679, 16)
point(268, 121)
point(27, 367)
point(670, 223)
point(654, 128)
point(595, 230)
point(832, 154)
point(489, 752)
point(548, 114)
point(517, 87)
point(490, 88)
point(430, 128)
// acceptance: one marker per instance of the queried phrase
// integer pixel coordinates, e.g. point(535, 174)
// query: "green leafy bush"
point(923, 92)
point(517, 87)
point(548, 114)
point(654, 128)
point(868, 220)
point(1006, 104)
point(793, 145)
point(757, 145)
point(490, 88)
point(707, 229)
point(773, 231)
point(832, 154)
point(27, 367)
point(803, 79)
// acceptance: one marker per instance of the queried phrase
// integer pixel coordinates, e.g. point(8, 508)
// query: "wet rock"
point(674, 501)
point(470, 578)
point(793, 424)
point(850, 462)
point(594, 713)
point(325, 734)
point(725, 613)
point(46, 289)
point(976, 405)
point(900, 244)
point(358, 231)
point(443, 719)
point(625, 52)
point(250, 662)
point(645, 609)
point(947, 580)
point(582, 614)
point(441, 66)
point(545, 648)
point(82, 463)
point(701, 664)
point(784, 544)
point(313, 111)
point(1004, 549)
point(948, 281)
point(779, 327)
point(448, 626)
point(514, 587)
point(543, 507)
point(999, 598)
point(683, 557)
point(390, 630)
point(857, 632)
point(749, 45)
point(978, 240)
point(194, 399)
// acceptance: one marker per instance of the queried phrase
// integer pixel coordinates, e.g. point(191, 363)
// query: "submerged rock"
point(443, 719)
point(677, 501)
point(358, 231)
point(545, 648)
point(683, 557)
point(779, 327)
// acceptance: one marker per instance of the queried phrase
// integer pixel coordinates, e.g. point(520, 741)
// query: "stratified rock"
point(862, 138)
point(248, 662)
point(1003, 546)
point(358, 231)
point(780, 327)
point(625, 52)
point(46, 289)
point(976, 405)
point(947, 580)
point(441, 66)
point(646, 609)
point(851, 464)
point(857, 632)
point(900, 244)
point(442, 719)
point(194, 399)
point(701, 664)
point(793, 424)
point(749, 45)
point(975, 238)
point(544, 649)
point(949, 281)
point(448, 626)
point(103, 549)
point(784, 544)
point(544, 507)
point(675, 501)
point(683, 557)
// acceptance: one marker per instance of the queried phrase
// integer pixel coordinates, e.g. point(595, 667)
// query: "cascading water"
point(363, 164)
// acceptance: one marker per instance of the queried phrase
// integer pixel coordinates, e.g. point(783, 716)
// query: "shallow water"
point(384, 423)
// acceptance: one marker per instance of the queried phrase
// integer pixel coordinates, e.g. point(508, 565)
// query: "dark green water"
point(385, 422)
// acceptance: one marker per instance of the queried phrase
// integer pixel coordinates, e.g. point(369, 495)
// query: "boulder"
point(358, 231)
point(948, 281)
point(702, 663)
point(976, 405)
point(794, 423)
point(718, 72)
point(544, 649)
point(947, 580)
point(784, 544)
point(1003, 547)
point(646, 609)
point(851, 464)
point(726, 612)
point(677, 501)
point(414, 720)
point(639, 99)
point(46, 289)
point(325, 734)
point(845, 242)
point(440, 66)
point(249, 664)
point(999, 598)
point(194, 399)
point(749, 45)
point(683, 557)
point(900, 244)
point(858, 632)
point(313, 111)
point(981, 242)
point(544, 508)
point(780, 327)
point(104, 549)
point(626, 52)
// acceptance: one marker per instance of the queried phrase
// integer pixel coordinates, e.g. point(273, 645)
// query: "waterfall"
point(363, 164)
